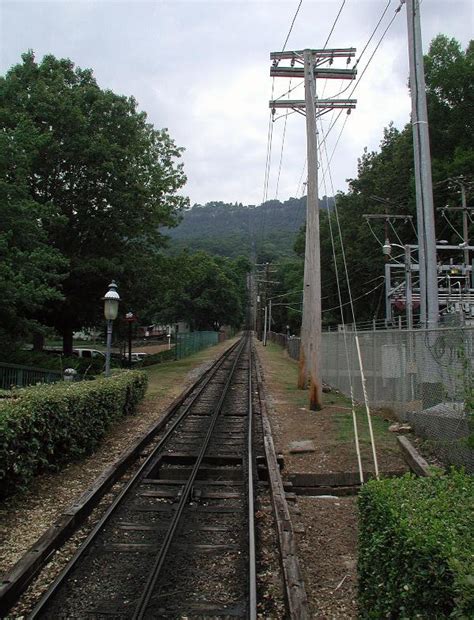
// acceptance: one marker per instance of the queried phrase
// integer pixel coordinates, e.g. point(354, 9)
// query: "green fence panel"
point(21, 376)
point(187, 344)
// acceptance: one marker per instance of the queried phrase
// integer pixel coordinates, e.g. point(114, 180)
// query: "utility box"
point(393, 361)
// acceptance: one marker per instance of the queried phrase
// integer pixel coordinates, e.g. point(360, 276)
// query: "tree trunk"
point(67, 341)
point(38, 342)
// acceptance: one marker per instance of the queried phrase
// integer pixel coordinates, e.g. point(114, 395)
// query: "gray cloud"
point(202, 70)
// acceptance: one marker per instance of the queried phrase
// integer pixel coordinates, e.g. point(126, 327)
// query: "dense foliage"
point(86, 183)
point(205, 291)
point(267, 231)
point(45, 426)
point(416, 548)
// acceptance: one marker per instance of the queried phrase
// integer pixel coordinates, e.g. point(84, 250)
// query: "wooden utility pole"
point(310, 355)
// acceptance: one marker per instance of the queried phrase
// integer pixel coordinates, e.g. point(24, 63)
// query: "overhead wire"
point(351, 304)
point(334, 24)
point(329, 36)
point(390, 223)
point(270, 134)
point(443, 213)
point(348, 303)
point(370, 59)
point(346, 347)
point(287, 113)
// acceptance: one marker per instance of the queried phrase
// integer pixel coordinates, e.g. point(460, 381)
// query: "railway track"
point(179, 540)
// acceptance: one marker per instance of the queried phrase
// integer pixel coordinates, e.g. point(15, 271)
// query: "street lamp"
point(111, 304)
point(130, 318)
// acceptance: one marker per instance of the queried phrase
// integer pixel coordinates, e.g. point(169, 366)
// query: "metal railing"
point(14, 375)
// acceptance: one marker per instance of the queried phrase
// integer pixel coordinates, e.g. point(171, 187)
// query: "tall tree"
point(205, 291)
point(30, 269)
point(108, 179)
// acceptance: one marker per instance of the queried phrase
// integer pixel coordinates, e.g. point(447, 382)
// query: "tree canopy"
point(205, 291)
point(93, 176)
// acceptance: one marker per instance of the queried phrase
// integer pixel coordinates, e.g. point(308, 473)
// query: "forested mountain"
point(235, 229)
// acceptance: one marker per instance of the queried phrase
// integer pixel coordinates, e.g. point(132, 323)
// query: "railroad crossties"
point(203, 525)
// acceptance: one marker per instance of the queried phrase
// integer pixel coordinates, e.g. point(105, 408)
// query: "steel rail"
point(201, 384)
point(142, 605)
point(251, 500)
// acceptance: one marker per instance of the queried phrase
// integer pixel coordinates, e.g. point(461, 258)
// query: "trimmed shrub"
point(416, 547)
point(48, 425)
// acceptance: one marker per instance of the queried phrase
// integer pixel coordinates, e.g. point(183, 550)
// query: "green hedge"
point(48, 425)
point(416, 547)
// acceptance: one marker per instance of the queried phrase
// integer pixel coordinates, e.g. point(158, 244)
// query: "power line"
point(373, 32)
point(347, 303)
point(397, 10)
point(270, 136)
point(292, 24)
point(335, 22)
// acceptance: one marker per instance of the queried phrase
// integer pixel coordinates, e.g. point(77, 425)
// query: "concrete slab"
point(300, 447)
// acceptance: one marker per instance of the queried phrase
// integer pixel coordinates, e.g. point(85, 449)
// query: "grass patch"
point(284, 371)
point(345, 429)
point(167, 378)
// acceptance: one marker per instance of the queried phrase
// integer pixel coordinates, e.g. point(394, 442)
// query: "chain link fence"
point(424, 376)
point(187, 344)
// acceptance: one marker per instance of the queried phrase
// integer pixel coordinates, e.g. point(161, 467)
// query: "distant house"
point(159, 330)
point(87, 334)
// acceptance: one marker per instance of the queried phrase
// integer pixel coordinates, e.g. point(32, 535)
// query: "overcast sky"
point(201, 69)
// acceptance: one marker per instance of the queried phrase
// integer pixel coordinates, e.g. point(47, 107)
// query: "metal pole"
point(423, 182)
point(408, 288)
point(465, 228)
point(265, 327)
point(311, 322)
point(270, 316)
point(109, 346)
point(388, 303)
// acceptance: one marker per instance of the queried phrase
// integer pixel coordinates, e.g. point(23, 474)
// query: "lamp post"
point(111, 303)
point(130, 318)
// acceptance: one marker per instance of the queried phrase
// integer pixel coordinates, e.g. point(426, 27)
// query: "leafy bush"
point(416, 547)
point(47, 425)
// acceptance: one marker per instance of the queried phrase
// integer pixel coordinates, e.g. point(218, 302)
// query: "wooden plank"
point(413, 458)
point(295, 593)
point(338, 491)
point(343, 479)
point(202, 494)
point(197, 483)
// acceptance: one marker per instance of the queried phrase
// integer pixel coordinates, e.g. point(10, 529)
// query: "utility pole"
point(429, 304)
point(312, 61)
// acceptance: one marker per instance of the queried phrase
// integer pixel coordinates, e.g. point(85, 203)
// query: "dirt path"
point(326, 526)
